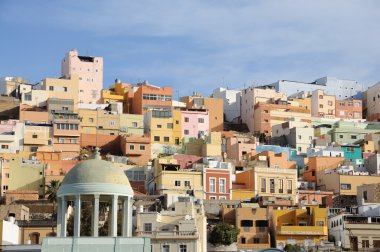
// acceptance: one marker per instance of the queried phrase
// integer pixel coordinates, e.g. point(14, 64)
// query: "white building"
point(231, 102)
point(11, 136)
point(9, 232)
point(342, 89)
point(325, 151)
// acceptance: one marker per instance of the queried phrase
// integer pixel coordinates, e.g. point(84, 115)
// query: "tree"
point(223, 234)
point(292, 248)
point(51, 191)
point(85, 221)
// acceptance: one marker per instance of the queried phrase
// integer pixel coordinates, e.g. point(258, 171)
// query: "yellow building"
point(306, 227)
point(132, 124)
point(164, 126)
point(173, 181)
point(211, 146)
point(38, 137)
point(88, 121)
point(119, 92)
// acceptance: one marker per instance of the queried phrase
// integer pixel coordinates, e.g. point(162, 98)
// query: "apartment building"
point(150, 97)
point(322, 105)
point(250, 97)
point(239, 145)
point(373, 103)
point(11, 136)
point(318, 164)
point(349, 109)
point(195, 123)
point(306, 227)
point(132, 124)
point(137, 148)
point(211, 146)
point(89, 70)
point(231, 102)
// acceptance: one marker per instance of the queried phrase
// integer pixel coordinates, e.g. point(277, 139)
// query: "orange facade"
point(317, 164)
point(351, 109)
point(148, 96)
point(136, 148)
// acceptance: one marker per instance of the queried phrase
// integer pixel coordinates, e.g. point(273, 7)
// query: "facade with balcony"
point(66, 132)
point(11, 134)
point(180, 229)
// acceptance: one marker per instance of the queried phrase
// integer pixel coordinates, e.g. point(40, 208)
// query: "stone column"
point(113, 219)
point(127, 217)
point(62, 216)
point(77, 216)
point(59, 219)
point(95, 216)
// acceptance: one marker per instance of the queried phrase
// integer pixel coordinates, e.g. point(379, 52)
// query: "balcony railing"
point(169, 234)
point(302, 230)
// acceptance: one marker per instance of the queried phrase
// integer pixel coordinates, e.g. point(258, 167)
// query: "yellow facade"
point(242, 194)
point(165, 129)
point(38, 136)
point(116, 93)
point(89, 121)
point(210, 147)
point(108, 124)
point(132, 124)
point(302, 226)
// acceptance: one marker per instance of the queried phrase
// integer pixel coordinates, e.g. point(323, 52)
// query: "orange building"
point(316, 164)
point(136, 148)
point(351, 109)
point(213, 105)
point(33, 115)
point(308, 197)
point(151, 97)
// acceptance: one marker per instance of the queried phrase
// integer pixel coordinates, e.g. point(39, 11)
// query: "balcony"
point(168, 234)
point(7, 137)
point(302, 230)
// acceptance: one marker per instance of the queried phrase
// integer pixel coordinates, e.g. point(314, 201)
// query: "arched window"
point(35, 238)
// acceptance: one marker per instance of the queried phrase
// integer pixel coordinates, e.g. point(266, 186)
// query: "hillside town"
point(288, 165)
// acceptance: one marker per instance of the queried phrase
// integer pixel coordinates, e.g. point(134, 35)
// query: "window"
point(321, 97)
point(186, 132)
point(187, 183)
point(281, 186)
point(313, 173)
point(65, 108)
point(182, 248)
point(112, 123)
point(212, 184)
point(243, 240)
point(159, 126)
point(177, 183)
point(148, 227)
point(310, 138)
point(263, 185)
point(5, 187)
point(169, 125)
point(256, 240)
point(131, 147)
point(186, 119)
point(356, 104)
point(222, 185)
point(341, 104)
point(356, 114)
point(142, 147)
point(134, 124)
point(271, 185)
point(176, 142)
point(64, 89)
point(33, 149)
point(330, 103)
point(201, 120)
point(353, 137)
point(365, 196)
point(34, 136)
point(350, 104)
point(91, 120)
point(320, 105)
point(156, 138)
point(28, 97)
point(4, 146)
point(7, 175)
point(320, 223)
point(166, 139)
point(340, 136)
point(222, 197)
point(165, 248)
point(341, 113)
point(73, 141)
point(365, 243)
point(299, 137)
point(289, 186)
point(350, 149)
point(331, 112)
point(176, 122)
point(51, 88)
point(345, 186)
point(212, 197)
point(246, 223)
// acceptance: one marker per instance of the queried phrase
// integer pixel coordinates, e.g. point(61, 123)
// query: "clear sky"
point(195, 45)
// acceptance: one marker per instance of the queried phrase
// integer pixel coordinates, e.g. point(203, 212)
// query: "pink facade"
point(90, 72)
point(195, 123)
point(237, 147)
point(187, 161)
point(7, 126)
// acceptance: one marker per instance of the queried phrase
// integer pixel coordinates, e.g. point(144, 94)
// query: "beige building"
point(373, 103)
point(178, 230)
point(9, 86)
point(322, 105)
point(38, 137)
point(132, 124)
point(369, 193)
point(211, 146)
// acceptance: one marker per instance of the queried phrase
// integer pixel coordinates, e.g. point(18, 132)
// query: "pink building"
point(187, 161)
point(238, 146)
point(195, 123)
point(90, 72)
point(7, 126)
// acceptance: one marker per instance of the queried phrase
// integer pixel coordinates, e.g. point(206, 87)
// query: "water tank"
point(11, 219)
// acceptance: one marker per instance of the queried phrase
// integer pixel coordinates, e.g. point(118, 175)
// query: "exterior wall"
point(242, 194)
point(322, 105)
point(38, 136)
point(195, 123)
point(89, 121)
point(12, 196)
point(108, 124)
point(132, 124)
point(287, 226)
point(309, 197)
point(187, 161)
point(34, 98)
point(369, 193)
point(231, 102)
point(353, 153)
point(9, 107)
point(247, 232)
point(9, 233)
point(301, 138)
point(9, 85)
point(250, 97)
point(351, 109)
point(372, 143)
point(237, 147)
point(164, 129)
point(372, 164)
point(11, 136)
point(107, 143)
point(140, 153)
point(21, 212)
point(26, 176)
point(373, 103)
point(90, 74)
point(318, 164)
point(140, 102)
point(217, 175)
point(34, 116)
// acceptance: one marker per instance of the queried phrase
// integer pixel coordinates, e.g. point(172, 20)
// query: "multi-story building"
point(325, 151)
point(90, 72)
point(211, 146)
point(239, 145)
point(373, 103)
point(179, 230)
point(369, 193)
point(164, 126)
point(9, 86)
point(306, 227)
point(250, 97)
point(322, 105)
point(148, 97)
point(354, 154)
point(231, 102)
point(271, 175)
point(342, 89)
point(132, 124)
point(253, 225)
point(349, 109)
point(136, 148)
point(372, 164)
point(318, 164)
point(213, 105)
point(371, 143)
point(298, 134)
point(119, 92)
point(38, 137)
point(11, 136)
point(268, 114)
point(357, 228)
point(195, 123)
point(88, 121)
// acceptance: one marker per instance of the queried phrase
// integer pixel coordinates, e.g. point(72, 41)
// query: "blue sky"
point(195, 45)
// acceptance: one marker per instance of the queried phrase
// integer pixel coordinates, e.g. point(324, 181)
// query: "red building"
point(217, 183)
